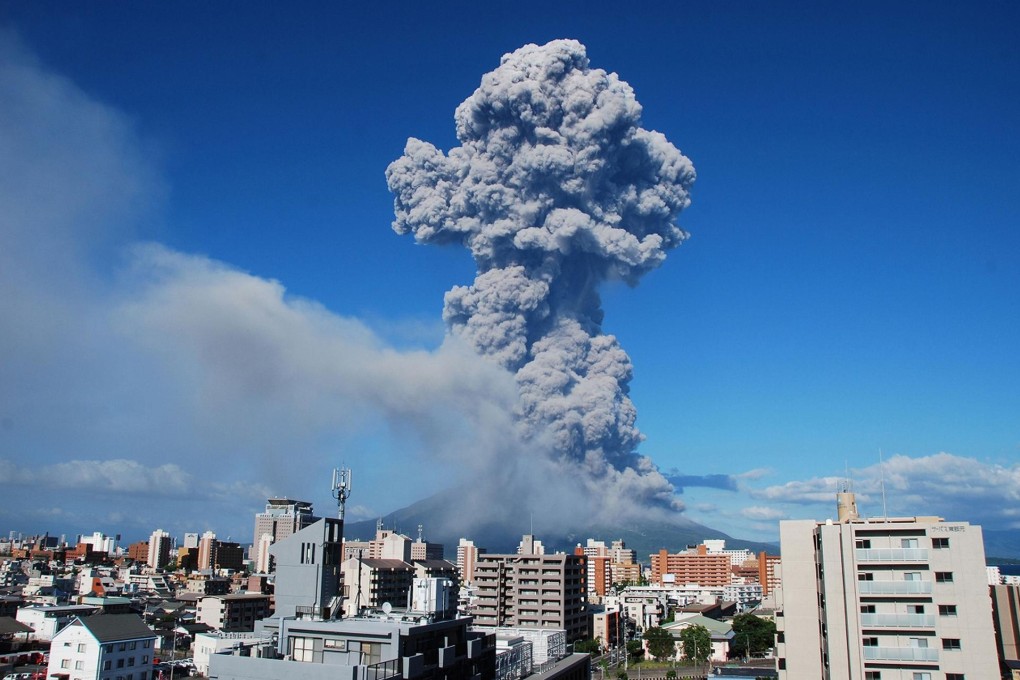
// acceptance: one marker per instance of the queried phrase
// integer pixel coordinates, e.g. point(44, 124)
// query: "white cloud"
point(955, 487)
point(761, 512)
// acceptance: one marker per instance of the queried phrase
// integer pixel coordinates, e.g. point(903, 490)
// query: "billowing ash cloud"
point(555, 189)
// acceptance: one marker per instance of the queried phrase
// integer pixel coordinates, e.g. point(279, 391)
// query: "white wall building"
point(884, 599)
point(103, 647)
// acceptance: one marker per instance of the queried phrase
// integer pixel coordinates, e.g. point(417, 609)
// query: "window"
point(866, 576)
point(950, 643)
point(335, 644)
point(940, 543)
point(943, 577)
point(780, 636)
point(145, 659)
point(947, 610)
point(79, 665)
point(908, 543)
point(954, 676)
point(919, 643)
point(131, 661)
point(120, 663)
point(862, 543)
point(133, 645)
point(121, 647)
point(921, 675)
point(782, 663)
point(912, 576)
point(81, 647)
point(302, 648)
point(107, 664)
point(870, 642)
point(872, 675)
point(108, 649)
point(371, 653)
point(65, 663)
point(867, 609)
point(915, 608)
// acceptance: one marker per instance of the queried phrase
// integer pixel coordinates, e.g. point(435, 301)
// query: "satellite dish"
point(387, 607)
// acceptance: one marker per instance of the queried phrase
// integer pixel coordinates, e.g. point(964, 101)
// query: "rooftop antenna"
point(420, 527)
point(341, 489)
point(881, 473)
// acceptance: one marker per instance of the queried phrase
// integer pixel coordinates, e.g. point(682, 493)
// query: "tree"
point(696, 642)
point(635, 650)
point(660, 643)
point(593, 647)
point(752, 635)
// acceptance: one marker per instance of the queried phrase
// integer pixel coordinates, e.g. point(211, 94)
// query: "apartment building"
point(699, 566)
point(467, 557)
point(901, 598)
point(233, 613)
point(103, 647)
point(530, 590)
point(160, 543)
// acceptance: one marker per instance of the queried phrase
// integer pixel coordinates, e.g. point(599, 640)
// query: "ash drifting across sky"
point(555, 189)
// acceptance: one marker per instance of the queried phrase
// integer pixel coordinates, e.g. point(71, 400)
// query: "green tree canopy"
point(635, 650)
point(752, 635)
point(660, 643)
point(696, 642)
point(593, 647)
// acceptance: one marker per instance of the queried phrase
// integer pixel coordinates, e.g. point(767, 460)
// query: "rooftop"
point(116, 627)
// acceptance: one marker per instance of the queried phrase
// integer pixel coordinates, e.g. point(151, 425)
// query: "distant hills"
point(644, 538)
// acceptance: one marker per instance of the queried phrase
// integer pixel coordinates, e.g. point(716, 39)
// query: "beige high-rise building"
point(467, 558)
point(283, 517)
point(532, 590)
point(901, 598)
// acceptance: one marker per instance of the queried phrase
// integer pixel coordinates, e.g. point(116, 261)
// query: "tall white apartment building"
point(902, 598)
point(159, 549)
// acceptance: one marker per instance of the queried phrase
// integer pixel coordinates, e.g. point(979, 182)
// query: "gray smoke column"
point(555, 188)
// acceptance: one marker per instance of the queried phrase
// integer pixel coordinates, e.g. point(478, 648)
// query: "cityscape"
point(885, 597)
point(658, 342)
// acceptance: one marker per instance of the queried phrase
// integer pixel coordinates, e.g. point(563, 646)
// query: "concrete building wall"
point(532, 591)
point(896, 597)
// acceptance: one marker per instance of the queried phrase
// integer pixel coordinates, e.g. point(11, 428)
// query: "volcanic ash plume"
point(555, 188)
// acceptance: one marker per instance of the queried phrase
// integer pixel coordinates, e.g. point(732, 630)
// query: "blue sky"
point(851, 285)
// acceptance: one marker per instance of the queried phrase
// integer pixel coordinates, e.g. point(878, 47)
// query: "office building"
point(900, 598)
point(283, 517)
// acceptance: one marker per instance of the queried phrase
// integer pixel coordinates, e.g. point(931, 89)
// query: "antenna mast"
point(341, 489)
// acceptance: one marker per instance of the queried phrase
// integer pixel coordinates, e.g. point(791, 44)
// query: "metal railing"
point(900, 654)
point(897, 621)
point(892, 554)
point(894, 587)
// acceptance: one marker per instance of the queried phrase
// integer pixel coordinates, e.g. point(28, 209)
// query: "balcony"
point(894, 587)
point(897, 621)
point(892, 554)
point(900, 654)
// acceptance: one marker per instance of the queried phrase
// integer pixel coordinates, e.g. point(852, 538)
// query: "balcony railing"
point(897, 621)
point(900, 654)
point(894, 587)
point(892, 554)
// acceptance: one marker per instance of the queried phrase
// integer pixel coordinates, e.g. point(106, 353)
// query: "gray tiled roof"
point(116, 627)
